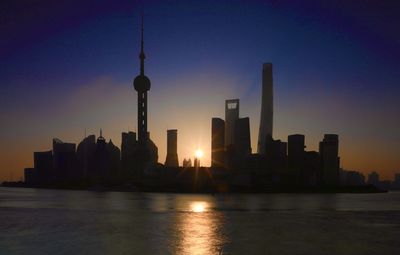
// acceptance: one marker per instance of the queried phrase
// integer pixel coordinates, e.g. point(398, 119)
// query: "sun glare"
point(198, 153)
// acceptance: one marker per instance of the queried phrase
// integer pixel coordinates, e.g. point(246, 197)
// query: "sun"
point(198, 153)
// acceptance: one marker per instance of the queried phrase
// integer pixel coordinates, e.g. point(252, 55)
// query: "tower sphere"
point(141, 83)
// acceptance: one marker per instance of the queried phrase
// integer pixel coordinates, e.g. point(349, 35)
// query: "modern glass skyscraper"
point(231, 115)
point(266, 119)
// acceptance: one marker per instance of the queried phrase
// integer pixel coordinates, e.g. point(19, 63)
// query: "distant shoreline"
point(231, 190)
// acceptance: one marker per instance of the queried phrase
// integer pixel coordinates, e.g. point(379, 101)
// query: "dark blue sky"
point(67, 65)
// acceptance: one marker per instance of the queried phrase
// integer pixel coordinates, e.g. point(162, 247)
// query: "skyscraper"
point(296, 153)
point(107, 160)
point(373, 178)
point(196, 162)
point(64, 160)
point(187, 162)
point(266, 119)
point(30, 176)
point(276, 154)
point(102, 159)
point(329, 151)
point(43, 164)
point(217, 142)
point(85, 155)
point(231, 115)
point(242, 138)
point(128, 148)
point(172, 147)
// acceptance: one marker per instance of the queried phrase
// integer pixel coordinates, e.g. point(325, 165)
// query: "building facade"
point(266, 118)
point(231, 115)
point(172, 148)
point(329, 153)
point(217, 142)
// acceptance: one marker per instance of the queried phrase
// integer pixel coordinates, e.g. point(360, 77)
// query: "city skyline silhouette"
point(109, 103)
point(199, 127)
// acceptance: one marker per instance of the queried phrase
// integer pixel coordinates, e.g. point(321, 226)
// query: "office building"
point(172, 148)
point(187, 162)
point(296, 152)
point(128, 149)
point(64, 158)
point(85, 155)
point(114, 163)
point(311, 172)
point(30, 176)
point(43, 164)
point(231, 115)
point(242, 138)
point(266, 118)
point(373, 179)
point(276, 155)
point(196, 162)
point(329, 151)
point(217, 142)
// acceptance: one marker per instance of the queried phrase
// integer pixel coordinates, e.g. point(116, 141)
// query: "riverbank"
point(185, 189)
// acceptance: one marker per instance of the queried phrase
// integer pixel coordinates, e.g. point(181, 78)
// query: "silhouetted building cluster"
point(396, 183)
point(277, 162)
point(351, 178)
point(374, 179)
point(186, 163)
point(99, 162)
point(93, 160)
point(230, 139)
point(234, 167)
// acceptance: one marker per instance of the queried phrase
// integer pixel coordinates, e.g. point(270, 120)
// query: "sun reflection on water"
point(198, 207)
point(200, 230)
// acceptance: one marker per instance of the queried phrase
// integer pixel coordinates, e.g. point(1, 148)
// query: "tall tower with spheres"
point(146, 151)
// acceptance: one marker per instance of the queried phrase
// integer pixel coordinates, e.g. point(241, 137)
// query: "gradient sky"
point(69, 65)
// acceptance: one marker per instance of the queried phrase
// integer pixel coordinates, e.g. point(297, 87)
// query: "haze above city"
point(67, 67)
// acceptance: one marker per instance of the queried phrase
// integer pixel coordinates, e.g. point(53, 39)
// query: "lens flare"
point(198, 153)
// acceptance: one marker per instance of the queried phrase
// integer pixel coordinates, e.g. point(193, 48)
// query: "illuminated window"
point(232, 105)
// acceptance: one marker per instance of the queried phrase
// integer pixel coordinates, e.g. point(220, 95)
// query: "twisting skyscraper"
point(266, 108)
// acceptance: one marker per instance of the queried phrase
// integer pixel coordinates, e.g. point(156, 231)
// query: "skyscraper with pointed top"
point(266, 118)
point(142, 85)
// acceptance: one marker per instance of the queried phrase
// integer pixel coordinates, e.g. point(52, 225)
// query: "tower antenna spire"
point(142, 56)
point(142, 85)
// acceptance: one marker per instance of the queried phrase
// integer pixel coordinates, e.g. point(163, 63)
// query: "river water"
point(35, 221)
